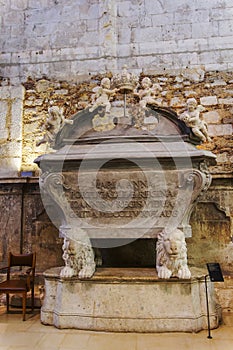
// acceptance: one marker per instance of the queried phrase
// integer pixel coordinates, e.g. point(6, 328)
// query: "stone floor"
point(32, 335)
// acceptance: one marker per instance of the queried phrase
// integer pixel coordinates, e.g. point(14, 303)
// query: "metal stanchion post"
point(207, 307)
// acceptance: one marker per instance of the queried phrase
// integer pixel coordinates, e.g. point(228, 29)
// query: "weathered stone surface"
point(220, 130)
point(212, 227)
point(120, 300)
point(179, 36)
point(11, 130)
point(209, 100)
point(226, 101)
point(10, 221)
point(211, 117)
point(27, 227)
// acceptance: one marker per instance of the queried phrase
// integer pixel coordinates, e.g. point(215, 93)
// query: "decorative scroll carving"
point(52, 192)
point(77, 252)
point(198, 182)
point(171, 255)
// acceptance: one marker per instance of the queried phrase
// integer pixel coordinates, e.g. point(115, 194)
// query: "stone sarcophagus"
point(133, 181)
point(121, 171)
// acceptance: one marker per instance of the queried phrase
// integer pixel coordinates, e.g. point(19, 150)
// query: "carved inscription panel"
point(127, 200)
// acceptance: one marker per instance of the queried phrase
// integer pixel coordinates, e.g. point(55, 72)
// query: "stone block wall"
point(70, 39)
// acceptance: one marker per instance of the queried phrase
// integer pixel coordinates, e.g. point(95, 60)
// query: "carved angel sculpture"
point(192, 119)
point(148, 93)
point(102, 95)
point(53, 124)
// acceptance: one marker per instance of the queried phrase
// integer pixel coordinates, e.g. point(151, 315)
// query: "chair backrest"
point(22, 260)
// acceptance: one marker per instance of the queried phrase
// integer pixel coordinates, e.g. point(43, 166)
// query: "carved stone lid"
point(172, 142)
point(152, 124)
point(126, 149)
point(125, 113)
point(155, 132)
point(97, 134)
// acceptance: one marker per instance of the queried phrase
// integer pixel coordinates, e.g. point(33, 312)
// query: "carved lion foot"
point(184, 272)
point(98, 257)
point(86, 272)
point(164, 272)
point(67, 272)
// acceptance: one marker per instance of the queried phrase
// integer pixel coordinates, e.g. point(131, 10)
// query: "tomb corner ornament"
point(145, 145)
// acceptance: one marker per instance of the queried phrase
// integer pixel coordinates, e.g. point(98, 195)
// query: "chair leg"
point(7, 302)
point(32, 299)
point(24, 305)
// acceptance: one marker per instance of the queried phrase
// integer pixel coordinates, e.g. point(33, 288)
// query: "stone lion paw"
point(98, 261)
point(184, 273)
point(67, 272)
point(164, 272)
point(86, 272)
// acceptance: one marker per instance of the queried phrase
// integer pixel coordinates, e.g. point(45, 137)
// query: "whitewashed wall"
point(68, 39)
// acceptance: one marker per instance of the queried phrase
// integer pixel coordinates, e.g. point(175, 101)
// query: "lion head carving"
point(171, 255)
point(79, 259)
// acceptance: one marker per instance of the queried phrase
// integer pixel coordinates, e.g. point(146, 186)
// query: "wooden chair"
point(20, 284)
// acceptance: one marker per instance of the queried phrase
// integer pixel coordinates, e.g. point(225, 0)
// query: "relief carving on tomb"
point(160, 198)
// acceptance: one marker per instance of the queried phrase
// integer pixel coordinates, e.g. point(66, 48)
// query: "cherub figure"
point(53, 124)
point(148, 93)
point(102, 95)
point(192, 119)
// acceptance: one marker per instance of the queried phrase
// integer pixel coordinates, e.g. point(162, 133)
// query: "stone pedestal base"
point(127, 300)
